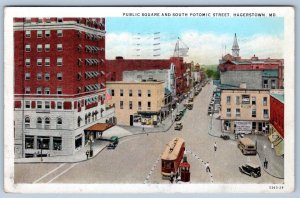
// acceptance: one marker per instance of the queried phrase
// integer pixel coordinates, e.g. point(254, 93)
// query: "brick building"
point(59, 85)
point(255, 72)
point(116, 69)
point(277, 121)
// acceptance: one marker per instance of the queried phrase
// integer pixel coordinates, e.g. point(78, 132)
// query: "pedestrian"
point(215, 146)
point(172, 177)
point(143, 129)
point(207, 167)
point(265, 163)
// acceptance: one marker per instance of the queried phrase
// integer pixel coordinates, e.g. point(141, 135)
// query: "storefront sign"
point(243, 127)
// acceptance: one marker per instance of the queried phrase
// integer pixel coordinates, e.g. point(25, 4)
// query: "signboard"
point(243, 127)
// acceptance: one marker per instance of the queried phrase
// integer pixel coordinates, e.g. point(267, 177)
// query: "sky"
point(207, 38)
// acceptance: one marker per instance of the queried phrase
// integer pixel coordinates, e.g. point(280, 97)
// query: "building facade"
point(276, 134)
point(59, 85)
point(257, 73)
point(137, 103)
point(245, 110)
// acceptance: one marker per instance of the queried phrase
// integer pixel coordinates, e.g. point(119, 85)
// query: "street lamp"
point(172, 115)
point(177, 106)
point(41, 145)
point(91, 146)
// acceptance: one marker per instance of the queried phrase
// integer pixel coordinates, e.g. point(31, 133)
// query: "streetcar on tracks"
point(172, 157)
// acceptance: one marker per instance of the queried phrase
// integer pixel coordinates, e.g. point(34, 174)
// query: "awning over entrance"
point(99, 127)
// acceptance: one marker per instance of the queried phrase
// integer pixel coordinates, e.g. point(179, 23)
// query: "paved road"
point(136, 159)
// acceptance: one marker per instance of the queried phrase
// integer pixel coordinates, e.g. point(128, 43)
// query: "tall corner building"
point(59, 84)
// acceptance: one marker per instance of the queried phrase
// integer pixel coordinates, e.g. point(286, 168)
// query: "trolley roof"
point(172, 149)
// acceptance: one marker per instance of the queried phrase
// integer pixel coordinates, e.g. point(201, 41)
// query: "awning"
point(99, 127)
point(148, 113)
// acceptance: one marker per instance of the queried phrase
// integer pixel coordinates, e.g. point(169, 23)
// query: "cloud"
point(204, 48)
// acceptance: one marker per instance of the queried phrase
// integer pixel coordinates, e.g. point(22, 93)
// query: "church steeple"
point(235, 47)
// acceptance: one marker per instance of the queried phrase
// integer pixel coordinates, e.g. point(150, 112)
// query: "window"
point(253, 125)
point(59, 20)
point(130, 104)
point(121, 92)
point(121, 104)
point(266, 113)
point(273, 84)
point(47, 33)
point(112, 92)
point(238, 112)
point(130, 93)
point(39, 62)
point(149, 105)
point(140, 105)
point(47, 123)
point(59, 33)
point(28, 34)
point(39, 123)
point(27, 20)
point(39, 90)
point(47, 91)
point(59, 61)
point(59, 105)
point(27, 62)
point(59, 47)
point(245, 99)
point(265, 101)
point(39, 105)
point(253, 100)
point(59, 90)
point(39, 76)
point(27, 104)
point(139, 93)
point(43, 142)
point(47, 76)
point(47, 105)
point(237, 100)
point(47, 47)
point(27, 76)
point(253, 113)
point(48, 20)
point(228, 100)
point(59, 76)
point(47, 62)
point(27, 90)
point(266, 84)
point(27, 48)
point(39, 33)
point(40, 20)
point(228, 112)
point(57, 143)
point(149, 93)
point(29, 141)
point(39, 47)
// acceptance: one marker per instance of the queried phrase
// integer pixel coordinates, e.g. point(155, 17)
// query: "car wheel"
point(253, 175)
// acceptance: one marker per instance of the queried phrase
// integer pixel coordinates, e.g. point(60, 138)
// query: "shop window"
point(253, 125)
point(27, 122)
point(57, 143)
point(43, 142)
point(29, 141)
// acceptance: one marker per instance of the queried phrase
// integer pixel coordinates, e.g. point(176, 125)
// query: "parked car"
point(225, 137)
point(251, 170)
point(178, 117)
point(111, 146)
point(178, 126)
point(114, 140)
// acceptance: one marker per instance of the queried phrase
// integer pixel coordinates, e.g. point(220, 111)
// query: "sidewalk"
point(264, 150)
point(80, 155)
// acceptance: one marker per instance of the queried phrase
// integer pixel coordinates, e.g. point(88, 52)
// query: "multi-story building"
point(59, 85)
point(255, 72)
point(245, 110)
point(137, 103)
point(277, 121)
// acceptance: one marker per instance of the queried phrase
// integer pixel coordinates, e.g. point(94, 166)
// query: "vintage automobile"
point(178, 126)
point(225, 137)
point(178, 117)
point(111, 146)
point(250, 169)
point(114, 140)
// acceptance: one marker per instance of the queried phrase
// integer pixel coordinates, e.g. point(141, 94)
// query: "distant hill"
point(210, 67)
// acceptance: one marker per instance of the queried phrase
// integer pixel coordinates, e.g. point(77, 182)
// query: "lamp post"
point(172, 115)
point(177, 106)
point(41, 145)
point(91, 146)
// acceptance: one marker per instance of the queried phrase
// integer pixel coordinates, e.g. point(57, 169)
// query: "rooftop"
point(270, 73)
point(134, 82)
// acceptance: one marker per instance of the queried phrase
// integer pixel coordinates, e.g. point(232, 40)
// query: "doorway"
point(131, 120)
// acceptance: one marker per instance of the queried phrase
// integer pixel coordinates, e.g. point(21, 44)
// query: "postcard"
point(149, 99)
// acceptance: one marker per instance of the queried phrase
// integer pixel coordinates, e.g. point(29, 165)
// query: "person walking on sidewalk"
point(215, 146)
point(207, 167)
point(266, 163)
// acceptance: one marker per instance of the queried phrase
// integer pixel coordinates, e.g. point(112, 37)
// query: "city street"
point(137, 158)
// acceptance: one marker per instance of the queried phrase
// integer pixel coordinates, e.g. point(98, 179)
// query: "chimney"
point(243, 85)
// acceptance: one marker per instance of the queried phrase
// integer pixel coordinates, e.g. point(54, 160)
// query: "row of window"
point(39, 122)
point(43, 142)
point(39, 90)
point(41, 33)
point(139, 105)
point(39, 76)
point(41, 105)
point(246, 100)
point(41, 20)
point(253, 113)
point(130, 93)
point(39, 61)
point(39, 47)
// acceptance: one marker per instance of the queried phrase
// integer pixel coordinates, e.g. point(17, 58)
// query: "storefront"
point(245, 127)
point(147, 119)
